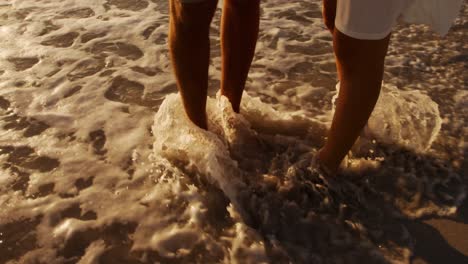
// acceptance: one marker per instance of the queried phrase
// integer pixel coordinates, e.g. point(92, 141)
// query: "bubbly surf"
point(100, 163)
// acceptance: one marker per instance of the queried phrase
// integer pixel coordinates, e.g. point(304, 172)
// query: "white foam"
point(105, 176)
point(410, 119)
point(407, 118)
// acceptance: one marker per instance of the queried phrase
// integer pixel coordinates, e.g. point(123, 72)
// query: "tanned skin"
point(360, 65)
point(239, 33)
point(190, 50)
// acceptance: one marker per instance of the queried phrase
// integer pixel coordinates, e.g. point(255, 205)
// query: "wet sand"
point(441, 240)
point(81, 82)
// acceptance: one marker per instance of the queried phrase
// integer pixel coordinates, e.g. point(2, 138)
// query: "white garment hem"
point(363, 36)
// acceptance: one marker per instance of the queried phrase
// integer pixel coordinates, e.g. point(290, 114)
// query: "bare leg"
point(360, 66)
point(240, 23)
point(190, 51)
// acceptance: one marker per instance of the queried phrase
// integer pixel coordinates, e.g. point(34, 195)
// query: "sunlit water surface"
point(100, 164)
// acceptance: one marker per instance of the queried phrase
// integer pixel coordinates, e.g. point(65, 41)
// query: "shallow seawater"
point(99, 163)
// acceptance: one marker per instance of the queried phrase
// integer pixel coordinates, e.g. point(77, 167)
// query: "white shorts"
point(368, 19)
point(363, 19)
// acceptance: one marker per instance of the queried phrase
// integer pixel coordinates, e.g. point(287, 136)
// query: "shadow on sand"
point(367, 216)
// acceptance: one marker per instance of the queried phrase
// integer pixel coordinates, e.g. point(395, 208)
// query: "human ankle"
point(235, 105)
point(325, 163)
point(199, 120)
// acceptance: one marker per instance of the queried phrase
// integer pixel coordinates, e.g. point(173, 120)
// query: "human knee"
point(192, 14)
point(209, 5)
point(190, 1)
point(195, 1)
point(242, 4)
point(358, 54)
point(346, 48)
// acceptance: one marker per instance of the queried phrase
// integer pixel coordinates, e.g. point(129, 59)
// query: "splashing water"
point(101, 165)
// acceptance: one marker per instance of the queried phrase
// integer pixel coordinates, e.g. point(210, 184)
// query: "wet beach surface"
point(99, 166)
